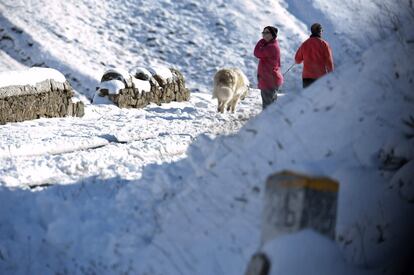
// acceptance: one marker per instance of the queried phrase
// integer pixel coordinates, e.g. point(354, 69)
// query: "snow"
point(178, 188)
point(139, 137)
point(317, 255)
point(97, 99)
point(141, 85)
point(161, 71)
point(144, 71)
point(7, 63)
point(113, 86)
point(30, 76)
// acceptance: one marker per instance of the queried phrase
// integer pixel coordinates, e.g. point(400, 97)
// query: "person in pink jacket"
point(269, 75)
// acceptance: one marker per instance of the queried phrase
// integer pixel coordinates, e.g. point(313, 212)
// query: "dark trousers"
point(307, 82)
point(268, 96)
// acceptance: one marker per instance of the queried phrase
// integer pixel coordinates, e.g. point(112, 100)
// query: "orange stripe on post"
point(299, 180)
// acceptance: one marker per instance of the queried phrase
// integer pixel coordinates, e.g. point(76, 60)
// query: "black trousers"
point(307, 82)
point(268, 96)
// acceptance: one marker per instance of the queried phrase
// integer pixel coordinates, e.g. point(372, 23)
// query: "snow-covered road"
point(109, 142)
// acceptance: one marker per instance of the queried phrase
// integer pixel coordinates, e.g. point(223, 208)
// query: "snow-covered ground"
point(109, 142)
point(178, 188)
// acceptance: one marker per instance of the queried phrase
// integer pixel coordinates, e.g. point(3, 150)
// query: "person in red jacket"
point(316, 55)
point(269, 75)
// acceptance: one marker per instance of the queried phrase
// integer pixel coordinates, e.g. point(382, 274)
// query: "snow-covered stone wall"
point(48, 98)
point(163, 90)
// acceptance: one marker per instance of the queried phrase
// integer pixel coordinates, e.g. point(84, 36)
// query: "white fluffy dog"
point(230, 85)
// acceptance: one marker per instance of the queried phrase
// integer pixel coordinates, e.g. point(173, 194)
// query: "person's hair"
point(316, 29)
point(273, 30)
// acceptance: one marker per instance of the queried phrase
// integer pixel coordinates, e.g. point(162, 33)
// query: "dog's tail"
point(223, 93)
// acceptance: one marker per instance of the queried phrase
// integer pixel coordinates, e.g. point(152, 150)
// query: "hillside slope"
point(82, 38)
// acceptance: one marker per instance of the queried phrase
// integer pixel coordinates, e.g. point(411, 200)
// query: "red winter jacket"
point(268, 71)
point(316, 56)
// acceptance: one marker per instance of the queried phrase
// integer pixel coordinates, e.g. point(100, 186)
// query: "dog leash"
point(289, 69)
point(275, 95)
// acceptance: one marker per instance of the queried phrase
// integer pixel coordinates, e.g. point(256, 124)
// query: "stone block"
point(294, 202)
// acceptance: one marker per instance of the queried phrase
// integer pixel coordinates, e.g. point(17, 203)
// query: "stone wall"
point(45, 99)
point(162, 91)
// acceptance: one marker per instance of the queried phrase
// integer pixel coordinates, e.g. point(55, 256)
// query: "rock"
point(57, 86)
point(76, 109)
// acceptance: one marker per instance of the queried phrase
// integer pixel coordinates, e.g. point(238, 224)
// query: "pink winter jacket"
point(268, 72)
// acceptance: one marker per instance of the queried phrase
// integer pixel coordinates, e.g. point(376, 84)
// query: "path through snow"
point(110, 142)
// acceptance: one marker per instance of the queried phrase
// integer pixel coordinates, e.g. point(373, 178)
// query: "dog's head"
point(225, 77)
